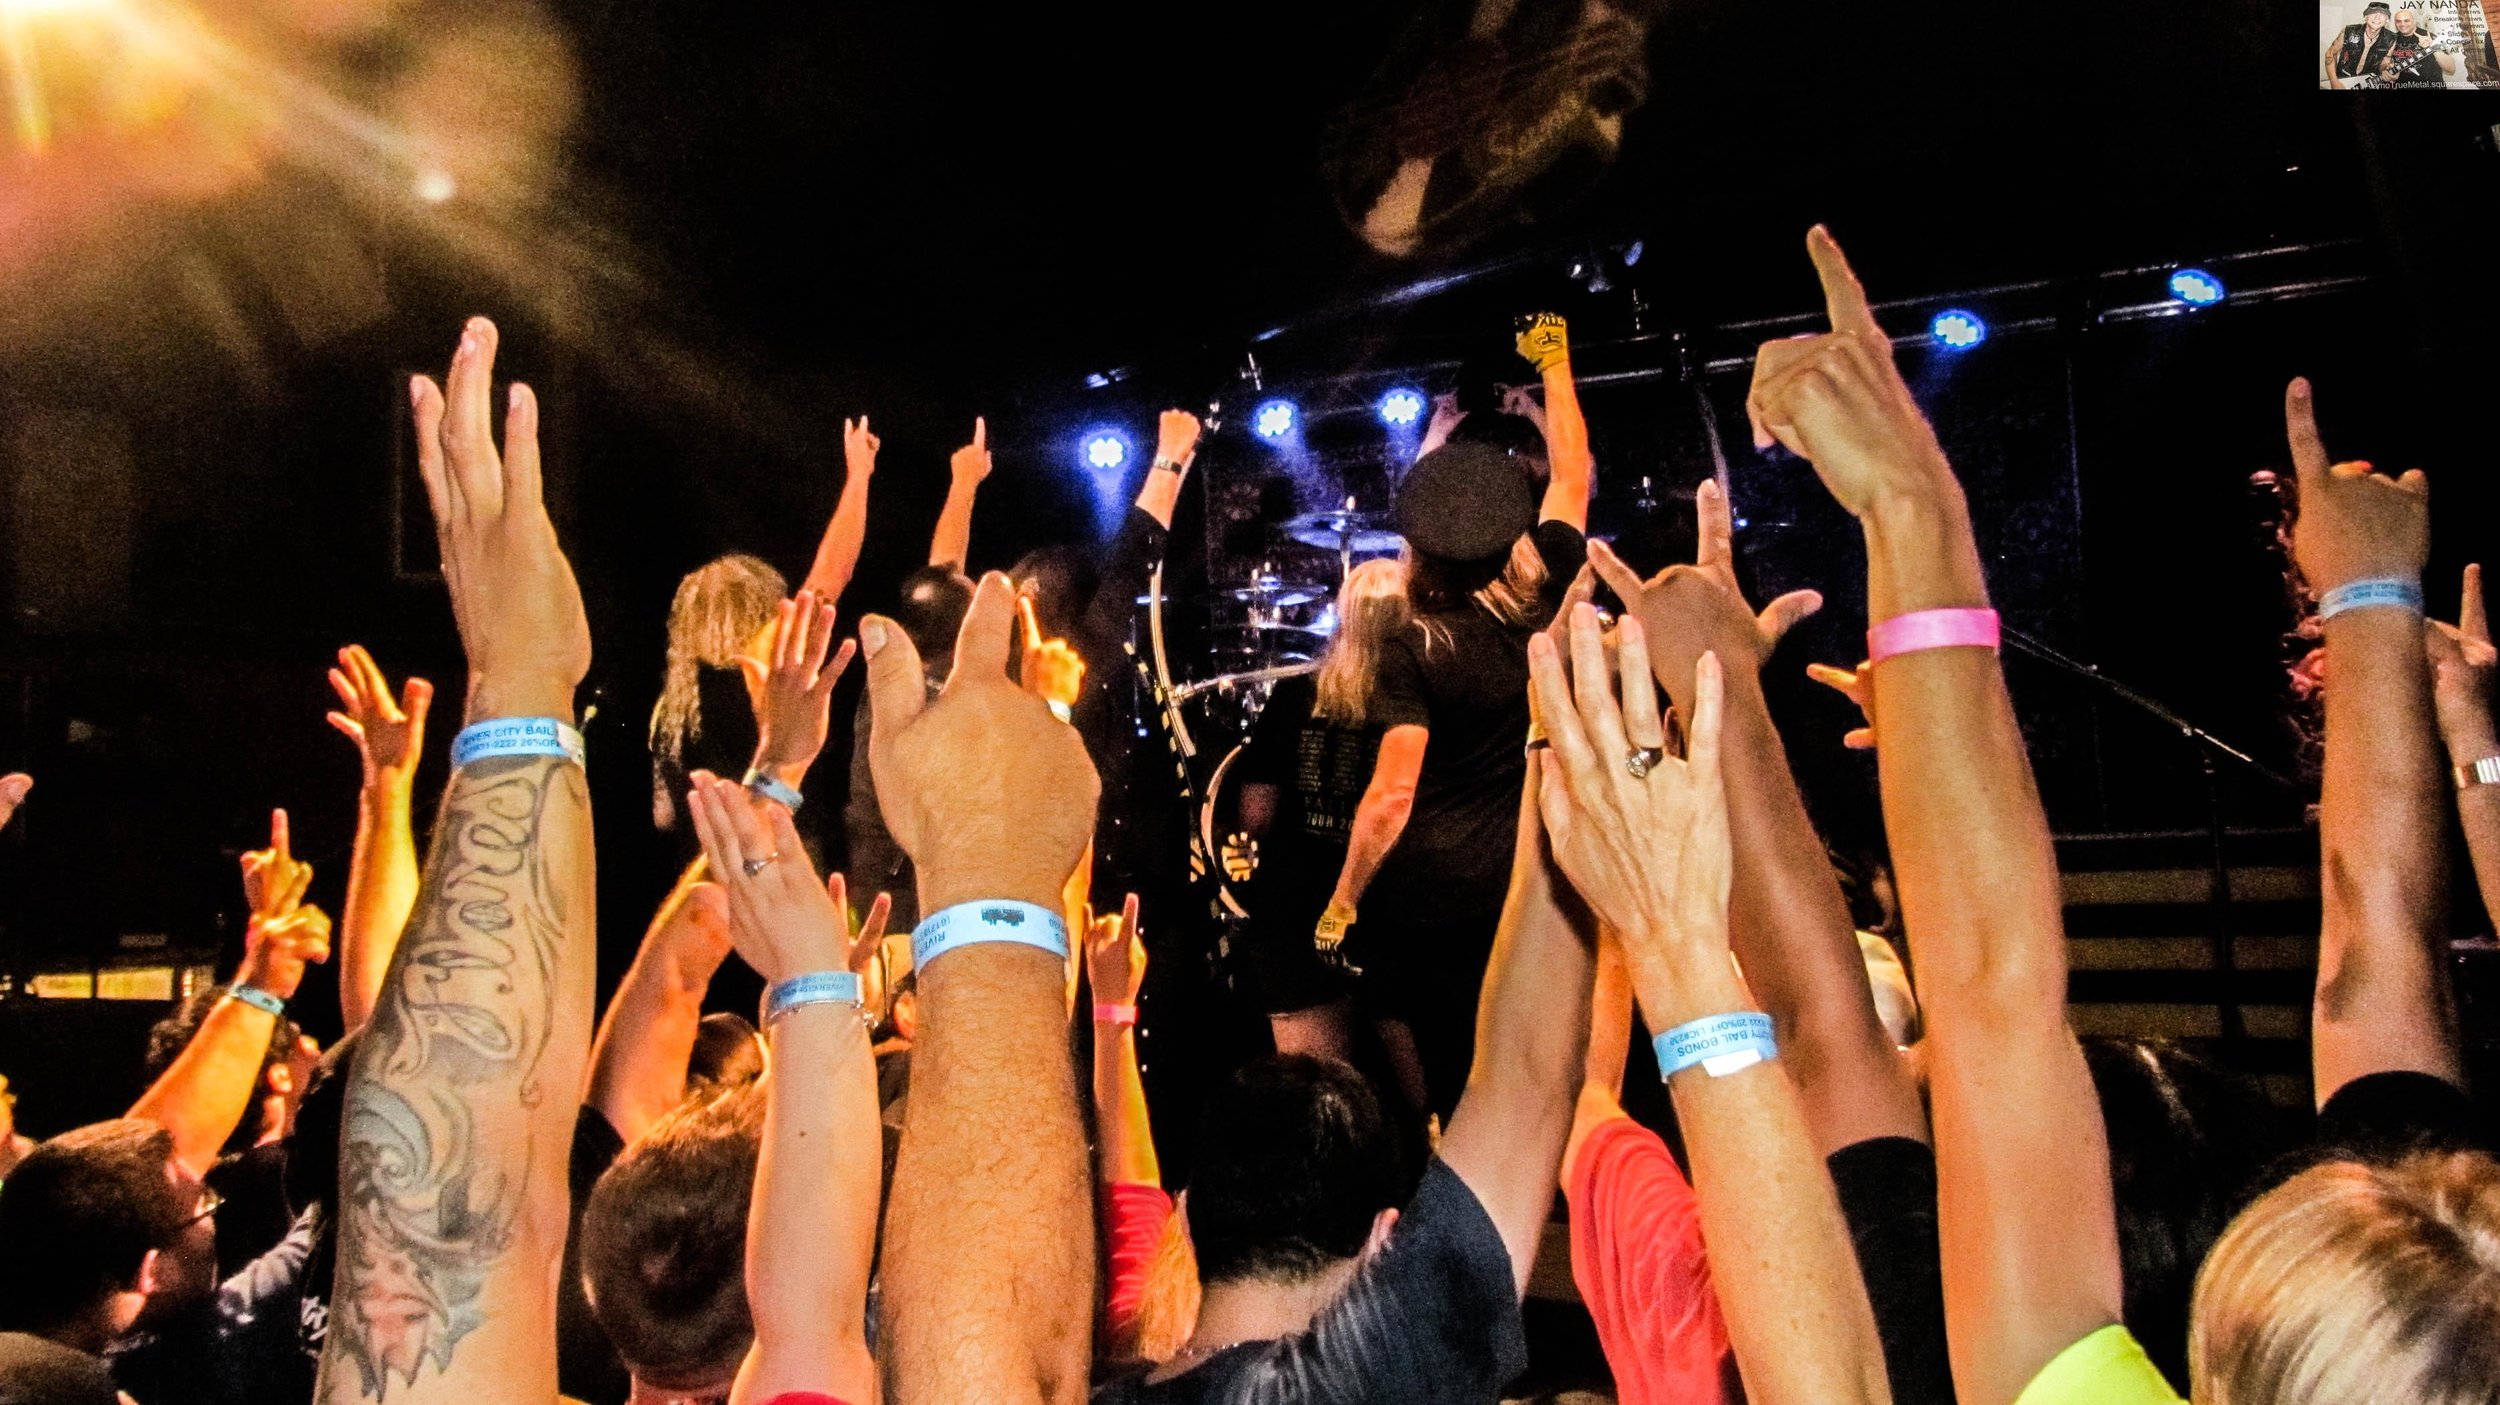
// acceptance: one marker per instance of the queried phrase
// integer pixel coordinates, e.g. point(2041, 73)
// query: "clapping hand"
point(1115, 956)
point(783, 921)
point(2354, 524)
point(1836, 398)
point(971, 463)
point(989, 794)
point(1642, 836)
point(1692, 610)
point(512, 591)
point(274, 880)
point(859, 447)
point(389, 734)
point(793, 694)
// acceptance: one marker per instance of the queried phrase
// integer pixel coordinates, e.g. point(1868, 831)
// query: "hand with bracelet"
point(1115, 963)
point(274, 880)
point(782, 921)
point(2465, 681)
point(793, 695)
point(276, 949)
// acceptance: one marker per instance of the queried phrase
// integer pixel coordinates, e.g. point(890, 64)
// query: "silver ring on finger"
point(1641, 760)
point(756, 866)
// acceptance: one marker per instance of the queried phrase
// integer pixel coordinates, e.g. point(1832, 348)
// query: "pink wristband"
point(1931, 629)
point(1116, 1014)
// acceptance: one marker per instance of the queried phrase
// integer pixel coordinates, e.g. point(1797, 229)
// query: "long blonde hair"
point(1510, 597)
point(2355, 1281)
point(1371, 609)
point(719, 608)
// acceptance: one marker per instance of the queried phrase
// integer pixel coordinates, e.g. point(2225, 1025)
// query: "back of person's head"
point(1294, 1164)
point(728, 1053)
point(663, 1244)
point(1060, 579)
point(931, 607)
point(2354, 1282)
point(719, 608)
point(168, 1037)
point(78, 1218)
point(1371, 610)
point(2188, 1141)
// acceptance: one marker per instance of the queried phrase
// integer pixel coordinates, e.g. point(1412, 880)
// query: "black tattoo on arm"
point(434, 1159)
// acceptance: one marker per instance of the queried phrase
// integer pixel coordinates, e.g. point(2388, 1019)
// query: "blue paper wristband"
point(516, 736)
point(811, 988)
point(769, 786)
point(257, 998)
point(968, 924)
point(1720, 1044)
point(2362, 594)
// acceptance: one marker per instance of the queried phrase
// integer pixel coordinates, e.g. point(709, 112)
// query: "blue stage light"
point(2195, 287)
point(1273, 420)
point(1958, 330)
point(1402, 407)
point(1105, 450)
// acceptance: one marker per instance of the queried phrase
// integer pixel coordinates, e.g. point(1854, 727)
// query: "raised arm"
point(2383, 999)
point(837, 556)
point(638, 1058)
point(952, 541)
point(460, 1105)
point(1532, 1026)
point(1788, 920)
point(1379, 818)
point(382, 876)
point(1115, 967)
point(793, 692)
point(1546, 344)
point(1647, 846)
point(2463, 670)
point(1176, 446)
point(812, 1229)
point(989, 1243)
point(2030, 1242)
point(202, 1096)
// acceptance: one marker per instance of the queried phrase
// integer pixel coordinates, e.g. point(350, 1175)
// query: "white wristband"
point(999, 920)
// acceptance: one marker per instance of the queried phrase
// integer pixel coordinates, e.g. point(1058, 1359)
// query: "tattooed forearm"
point(435, 1160)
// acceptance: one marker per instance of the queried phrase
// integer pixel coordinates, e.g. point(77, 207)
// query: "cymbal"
point(1340, 530)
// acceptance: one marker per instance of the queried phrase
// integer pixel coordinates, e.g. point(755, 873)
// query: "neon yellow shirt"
point(2106, 1368)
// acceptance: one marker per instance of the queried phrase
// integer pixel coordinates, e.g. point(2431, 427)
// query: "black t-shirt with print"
point(1319, 771)
point(2416, 65)
point(1433, 1319)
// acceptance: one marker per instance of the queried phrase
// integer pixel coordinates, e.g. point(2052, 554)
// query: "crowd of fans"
point(1497, 824)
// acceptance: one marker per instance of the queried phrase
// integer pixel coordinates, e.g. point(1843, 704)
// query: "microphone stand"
point(2207, 747)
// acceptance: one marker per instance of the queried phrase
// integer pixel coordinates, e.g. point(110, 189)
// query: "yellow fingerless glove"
point(1544, 340)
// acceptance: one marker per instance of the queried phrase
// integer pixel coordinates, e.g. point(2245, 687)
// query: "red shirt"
point(1637, 1256)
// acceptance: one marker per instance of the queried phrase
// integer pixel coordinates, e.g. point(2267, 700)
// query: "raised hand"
point(859, 448)
point(512, 591)
point(1836, 398)
point(783, 921)
point(1051, 669)
point(1858, 686)
point(274, 880)
point(2465, 676)
point(277, 948)
point(1115, 957)
point(990, 795)
point(1641, 835)
point(971, 463)
point(1544, 342)
point(793, 695)
point(13, 789)
point(1176, 437)
point(389, 734)
point(1692, 610)
point(2354, 524)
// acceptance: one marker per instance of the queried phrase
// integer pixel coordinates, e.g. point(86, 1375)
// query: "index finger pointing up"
point(2300, 425)
point(980, 432)
point(1843, 297)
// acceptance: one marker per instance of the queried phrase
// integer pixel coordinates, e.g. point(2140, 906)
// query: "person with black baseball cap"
point(1428, 858)
point(2360, 47)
